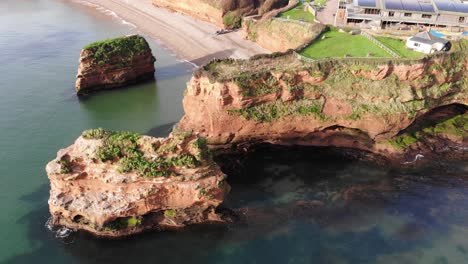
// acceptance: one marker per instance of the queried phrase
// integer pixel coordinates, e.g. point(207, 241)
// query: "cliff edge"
point(114, 63)
point(389, 107)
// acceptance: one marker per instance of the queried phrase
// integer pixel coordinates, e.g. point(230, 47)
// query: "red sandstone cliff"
point(115, 183)
point(361, 104)
point(221, 12)
point(114, 63)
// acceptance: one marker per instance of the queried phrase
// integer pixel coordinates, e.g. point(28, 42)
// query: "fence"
point(292, 20)
point(378, 43)
point(303, 58)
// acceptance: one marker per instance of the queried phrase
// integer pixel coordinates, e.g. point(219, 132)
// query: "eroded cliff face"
point(114, 63)
point(223, 13)
point(119, 183)
point(362, 104)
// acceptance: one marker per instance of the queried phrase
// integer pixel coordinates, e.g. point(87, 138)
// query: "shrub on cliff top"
point(122, 223)
point(269, 112)
point(98, 133)
point(232, 20)
point(123, 146)
point(122, 47)
point(455, 126)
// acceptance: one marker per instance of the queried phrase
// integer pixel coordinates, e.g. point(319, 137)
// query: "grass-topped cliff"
point(114, 63)
point(162, 158)
point(122, 47)
point(454, 127)
point(285, 98)
point(365, 85)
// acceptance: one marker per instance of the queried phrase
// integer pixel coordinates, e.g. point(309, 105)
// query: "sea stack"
point(114, 63)
point(113, 184)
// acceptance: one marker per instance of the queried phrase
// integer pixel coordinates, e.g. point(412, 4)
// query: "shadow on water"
point(297, 205)
point(118, 90)
point(161, 131)
point(173, 71)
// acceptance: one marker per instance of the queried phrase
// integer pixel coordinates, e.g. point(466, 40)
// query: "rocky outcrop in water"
point(114, 63)
point(118, 183)
point(371, 105)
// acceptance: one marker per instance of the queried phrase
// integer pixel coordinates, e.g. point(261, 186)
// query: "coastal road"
point(191, 39)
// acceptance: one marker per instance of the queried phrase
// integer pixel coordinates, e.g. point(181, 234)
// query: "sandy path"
point(191, 39)
point(327, 15)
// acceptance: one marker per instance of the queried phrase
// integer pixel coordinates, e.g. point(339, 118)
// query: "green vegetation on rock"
point(387, 95)
point(232, 20)
point(65, 165)
point(259, 84)
point(123, 48)
point(170, 213)
point(122, 223)
point(123, 146)
point(202, 145)
point(271, 111)
point(455, 126)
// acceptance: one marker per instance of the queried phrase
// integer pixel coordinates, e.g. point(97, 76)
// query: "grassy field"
point(399, 46)
point(319, 2)
point(337, 44)
point(298, 13)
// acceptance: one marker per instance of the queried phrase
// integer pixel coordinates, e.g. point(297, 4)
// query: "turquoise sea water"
point(297, 205)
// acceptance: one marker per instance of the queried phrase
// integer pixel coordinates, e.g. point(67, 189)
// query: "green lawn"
point(320, 2)
point(337, 44)
point(298, 13)
point(399, 46)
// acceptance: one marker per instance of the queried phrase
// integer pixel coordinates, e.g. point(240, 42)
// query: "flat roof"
point(423, 6)
point(451, 6)
point(410, 5)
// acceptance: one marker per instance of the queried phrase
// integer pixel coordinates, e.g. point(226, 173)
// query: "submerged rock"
point(114, 63)
point(118, 183)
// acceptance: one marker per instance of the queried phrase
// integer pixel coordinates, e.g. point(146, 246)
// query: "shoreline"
point(190, 39)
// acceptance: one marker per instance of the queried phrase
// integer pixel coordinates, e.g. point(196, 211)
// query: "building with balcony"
point(451, 14)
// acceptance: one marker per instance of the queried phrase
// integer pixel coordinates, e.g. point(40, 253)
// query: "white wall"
point(421, 47)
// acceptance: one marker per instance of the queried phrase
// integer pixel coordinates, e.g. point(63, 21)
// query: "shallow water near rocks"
point(297, 205)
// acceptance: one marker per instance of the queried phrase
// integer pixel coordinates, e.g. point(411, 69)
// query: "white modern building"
point(427, 43)
point(439, 13)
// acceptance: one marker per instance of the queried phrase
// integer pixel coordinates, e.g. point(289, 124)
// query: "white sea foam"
point(63, 232)
point(106, 12)
point(49, 225)
point(191, 63)
point(124, 22)
point(416, 158)
point(128, 23)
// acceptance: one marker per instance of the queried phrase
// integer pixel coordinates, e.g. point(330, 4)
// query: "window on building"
point(416, 44)
point(371, 11)
point(426, 16)
point(391, 14)
point(461, 19)
point(408, 14)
